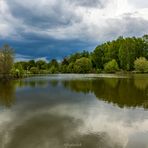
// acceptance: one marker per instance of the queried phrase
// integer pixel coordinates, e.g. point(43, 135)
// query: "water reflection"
point(47, 130)
point(57, 112)
point(123, 92)
point(31, 83)
point(7, 93)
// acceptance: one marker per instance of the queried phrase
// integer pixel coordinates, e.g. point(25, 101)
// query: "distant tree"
point(54, 63)
point(141, 64)
point(127, 54)
point(83, 65)
point(53, 70)
point(130, 49)
point(34, 70)
point(111, 66)
point(31, 64)
point(97, 57)
point(65, 61)
point(41, 64)
point(145, 37)
point(24, 65)
point(17, 70)
point(63, 66)
point(6, 60)
point(74, 57)
point(85, 54)
point(70, 68)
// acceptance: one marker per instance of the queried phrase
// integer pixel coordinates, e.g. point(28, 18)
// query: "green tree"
point(17, 70)
point(83, 65)
point(141, 64)
point(24, 65)
point(53, 66)
point(6, 60)
point(64, 64)
point(70, 68)
point(41, 64)
point(31, 64)
point(97, 57)
point(111, 66)
point(53, 70)
point(34, 70)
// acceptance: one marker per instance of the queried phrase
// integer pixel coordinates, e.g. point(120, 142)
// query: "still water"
point(74, 111)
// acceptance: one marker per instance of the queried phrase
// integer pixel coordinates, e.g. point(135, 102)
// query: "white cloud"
point(96, 20)
point(139, 3)
point(42, 58)
point(19, 57)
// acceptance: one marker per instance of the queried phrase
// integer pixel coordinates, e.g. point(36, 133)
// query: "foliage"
point(70, 68)
point(41, 65)
point(31, 63)
point(53, 70)
point(111, 66)
point(141, 64)
point(122, 53)
point(6, 60)
point(97, 57)
point(82, 65)
point(17, 70)
point(34, 70)
point(123, 50)
point(54, 63)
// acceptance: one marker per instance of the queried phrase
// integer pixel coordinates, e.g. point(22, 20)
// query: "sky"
point(47, 29)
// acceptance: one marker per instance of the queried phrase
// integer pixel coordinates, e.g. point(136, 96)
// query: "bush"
point(99, 70)
point(70, 68)
point(43, 71)
point(141, 65)
point(34, 70)
point(53, 70)
point(17, 71)
point(111, 66)
point(83, 65)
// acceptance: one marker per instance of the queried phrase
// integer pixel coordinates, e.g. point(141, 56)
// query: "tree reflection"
point(7, 93)
point(54, 83)
point(123, 92)
point(78, 85)
point(31, 83)
point(141, 84)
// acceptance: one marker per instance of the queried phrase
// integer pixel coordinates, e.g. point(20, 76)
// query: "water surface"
point(62, 111)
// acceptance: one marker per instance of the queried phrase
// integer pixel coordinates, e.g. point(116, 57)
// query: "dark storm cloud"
point(49, 48)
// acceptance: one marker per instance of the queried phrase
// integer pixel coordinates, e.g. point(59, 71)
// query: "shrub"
point(82, 65)
point(34, 70)
point(141, 65)
point(99, 70)
point(70, 68)
point(17, 71)
point(53, 70)
point(111, 66)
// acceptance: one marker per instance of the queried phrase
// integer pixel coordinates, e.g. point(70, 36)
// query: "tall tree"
point(6, 60)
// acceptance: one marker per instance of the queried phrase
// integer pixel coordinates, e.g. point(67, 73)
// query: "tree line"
point(122, 54)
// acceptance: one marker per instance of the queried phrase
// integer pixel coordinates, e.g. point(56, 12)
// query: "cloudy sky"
point(49, 29)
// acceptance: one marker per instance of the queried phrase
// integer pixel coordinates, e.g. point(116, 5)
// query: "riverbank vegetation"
point(122, 54)
point(6, 62)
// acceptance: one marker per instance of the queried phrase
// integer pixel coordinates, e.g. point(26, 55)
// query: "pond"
point(75, 111)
